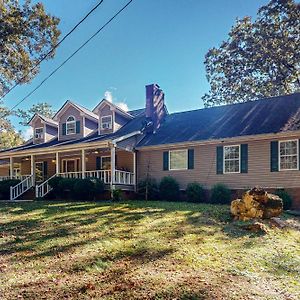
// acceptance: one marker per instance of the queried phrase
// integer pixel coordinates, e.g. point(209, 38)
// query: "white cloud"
point(108, 96)
point(28, 133)
point(123, 106)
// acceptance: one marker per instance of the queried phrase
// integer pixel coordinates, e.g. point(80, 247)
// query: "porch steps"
point(28, 195)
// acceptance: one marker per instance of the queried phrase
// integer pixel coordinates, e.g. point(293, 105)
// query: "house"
point(241, 145)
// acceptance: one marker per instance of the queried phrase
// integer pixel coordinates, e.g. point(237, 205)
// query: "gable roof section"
point(85, 111)
point(114, 106)
point(132, 126)
point(264, 116)
point(43, 118)
point(137, 112)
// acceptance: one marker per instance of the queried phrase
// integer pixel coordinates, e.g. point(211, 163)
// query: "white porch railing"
point(19, 189)
point(44, 188)
point(121, 177)
point(21, 177)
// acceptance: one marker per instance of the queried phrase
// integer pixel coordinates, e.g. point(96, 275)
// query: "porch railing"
point(19, 189)
point(121, 177)
point(44, 188)
point(21, 177)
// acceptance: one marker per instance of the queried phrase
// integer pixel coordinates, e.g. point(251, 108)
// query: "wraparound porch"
point(114, 166)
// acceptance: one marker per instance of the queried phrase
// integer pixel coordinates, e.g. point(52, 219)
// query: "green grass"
point(141, 250)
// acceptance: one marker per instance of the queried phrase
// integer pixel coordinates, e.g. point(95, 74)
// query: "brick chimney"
point(155, 106)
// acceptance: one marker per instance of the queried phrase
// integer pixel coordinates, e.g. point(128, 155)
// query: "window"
point(39, 133)
point(106, 122)
point(178, 160)
point(288, 155)
point(105, 163)
point(232, 159)
point(70, 125)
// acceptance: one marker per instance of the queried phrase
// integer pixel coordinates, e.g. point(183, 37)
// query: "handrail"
point(124, 177)
point(19, 189)
point(21, 177)
point(44, 188)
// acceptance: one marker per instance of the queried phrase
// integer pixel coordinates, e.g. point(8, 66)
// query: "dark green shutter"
point(77, 126)
point(219, 164)
point(244, 158)
point(45, 170)
point(64, 129)
point(166, 160)
point(191, 159)
point(274, 156)
point(98, 163)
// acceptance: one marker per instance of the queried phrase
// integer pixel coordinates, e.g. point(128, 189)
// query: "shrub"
point(286, 199)
point(116, 195)
point(148, 189)
point(54, 183)
point(220, 194)
point(169, 189)
point(66, 187)
point(195, 192)
point(5, 188)
point(83, 189)
point(99, 187)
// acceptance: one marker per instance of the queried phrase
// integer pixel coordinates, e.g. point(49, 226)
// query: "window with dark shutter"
point(191, 159)
point(219, 164)
point(244, 158)
point(166, 160)
point(274, 156)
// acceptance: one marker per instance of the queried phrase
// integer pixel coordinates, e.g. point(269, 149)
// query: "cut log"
point(256, 204)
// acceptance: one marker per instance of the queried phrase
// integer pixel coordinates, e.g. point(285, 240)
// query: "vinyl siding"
point(71, 111)
point(205, 168)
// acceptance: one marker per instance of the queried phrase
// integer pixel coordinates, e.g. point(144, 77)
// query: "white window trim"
point(76, 164)
point(35, 133)
point(70, 122)
point(229, 146)
point(179, 150)
point(101, 166)
point(111, 125)
point(279, 156)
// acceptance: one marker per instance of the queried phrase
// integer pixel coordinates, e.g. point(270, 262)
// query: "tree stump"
point(256, 204)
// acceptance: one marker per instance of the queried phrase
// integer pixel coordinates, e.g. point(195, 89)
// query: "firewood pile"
point(256, 204)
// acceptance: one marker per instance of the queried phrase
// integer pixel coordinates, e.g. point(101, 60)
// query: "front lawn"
point(141, 250)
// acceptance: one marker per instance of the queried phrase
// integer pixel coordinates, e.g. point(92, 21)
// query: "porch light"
point(96, 152)
point(54, 161)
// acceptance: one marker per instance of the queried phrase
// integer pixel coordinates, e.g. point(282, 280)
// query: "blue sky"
point(161, 41)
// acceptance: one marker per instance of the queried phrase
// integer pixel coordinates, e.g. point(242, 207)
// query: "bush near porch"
point(76, 189)
point(5, 188)
point(142, 250)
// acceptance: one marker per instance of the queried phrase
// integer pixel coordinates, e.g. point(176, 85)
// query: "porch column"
point(32, 167)
point(113, 165)
point(83, 164)
point(57, 163)
point(11, 167)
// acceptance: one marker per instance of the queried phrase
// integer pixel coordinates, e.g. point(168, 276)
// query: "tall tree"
point(42, 108)
point(27, 34)
point(8, 136)
point(260, 58)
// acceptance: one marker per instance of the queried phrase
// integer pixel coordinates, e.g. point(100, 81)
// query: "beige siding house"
point(241, 145)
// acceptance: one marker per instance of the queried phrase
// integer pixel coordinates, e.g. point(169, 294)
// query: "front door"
point(70, 165)
point(39, 171)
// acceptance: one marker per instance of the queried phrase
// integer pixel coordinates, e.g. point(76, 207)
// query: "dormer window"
point(70, 125)
point(39, 133)
point(106, 122)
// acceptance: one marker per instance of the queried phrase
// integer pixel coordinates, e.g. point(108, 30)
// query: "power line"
point(52, 49)
point(73, 54)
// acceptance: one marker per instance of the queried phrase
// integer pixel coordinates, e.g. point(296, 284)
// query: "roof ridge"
point(233, 104)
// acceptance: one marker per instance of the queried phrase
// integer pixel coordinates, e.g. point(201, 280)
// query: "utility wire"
point(73, 54)
point(52, 49)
